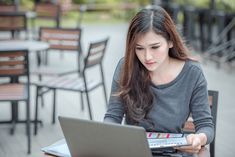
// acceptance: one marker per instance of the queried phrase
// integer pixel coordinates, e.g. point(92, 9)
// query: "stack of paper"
point(59, 149)
point(164, 140)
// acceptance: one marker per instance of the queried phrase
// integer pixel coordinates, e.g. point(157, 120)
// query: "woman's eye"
point(155, 47)
point(139, 48)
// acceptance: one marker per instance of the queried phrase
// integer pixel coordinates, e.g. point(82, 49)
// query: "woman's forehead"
point(149, 37)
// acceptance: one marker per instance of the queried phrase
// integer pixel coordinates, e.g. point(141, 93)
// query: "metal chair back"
point(13, 22)
point(14, 64)
point(63, 39)
point(7, 8)
point(48, 11)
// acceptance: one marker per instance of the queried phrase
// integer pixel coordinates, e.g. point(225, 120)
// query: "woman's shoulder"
point(118, 68)
point(193, 71)
point(120, 64)
point(194, 65)
point(121, 61)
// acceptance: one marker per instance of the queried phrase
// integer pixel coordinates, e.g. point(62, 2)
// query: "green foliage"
point(95, 1)
point(125, 15)
point(226, 5)
point(27, 4)
point(141, 2)
point(6, 1)
point(116, 13)
point(197, 3)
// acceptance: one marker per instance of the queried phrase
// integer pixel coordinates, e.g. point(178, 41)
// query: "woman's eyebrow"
point(152, 44)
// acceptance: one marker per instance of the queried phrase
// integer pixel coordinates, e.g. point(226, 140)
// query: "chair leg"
point(42, 101)
point(14, 116)
point(89, 107)
point(82, 102)
point(46, 56)
point(212, 149)
point(28, 125)
point(36, 112)
point(105, 95)
point(39, 58)
point(103, 83)
point(54, 106)
point(80, 59)
point(41, 95)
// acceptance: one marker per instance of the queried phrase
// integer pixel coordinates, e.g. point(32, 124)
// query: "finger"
point(193, 151)
point(184, 148)
point(196, 143)
point(190, 138)
point(188, 149)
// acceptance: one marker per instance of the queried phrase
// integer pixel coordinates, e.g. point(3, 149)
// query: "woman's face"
point(152, 50)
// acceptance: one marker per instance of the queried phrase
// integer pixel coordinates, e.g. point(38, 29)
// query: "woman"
point(156, 85)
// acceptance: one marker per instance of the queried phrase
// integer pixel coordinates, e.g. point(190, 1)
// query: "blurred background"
point(207, 27)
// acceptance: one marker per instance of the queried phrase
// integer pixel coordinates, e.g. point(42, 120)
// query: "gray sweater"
point(173, 102)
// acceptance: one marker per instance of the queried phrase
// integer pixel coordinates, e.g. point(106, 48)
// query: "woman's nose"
point(148, 55)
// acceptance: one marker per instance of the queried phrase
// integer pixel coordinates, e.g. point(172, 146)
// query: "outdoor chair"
point(82, 83)
point(189, 24)
point(7, 8)
point(15, 64)
point(222, 50)
point(48, 11)
point(173, 9)
point(222, 53)
point(61, 40)
point(213, 102)
point(13, 22)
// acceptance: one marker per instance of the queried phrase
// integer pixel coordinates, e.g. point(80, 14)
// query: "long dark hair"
point(135, 79)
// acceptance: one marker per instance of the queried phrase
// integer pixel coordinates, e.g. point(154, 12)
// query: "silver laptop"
point(96, 139)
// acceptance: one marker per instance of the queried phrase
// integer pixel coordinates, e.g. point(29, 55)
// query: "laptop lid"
point(96, 139)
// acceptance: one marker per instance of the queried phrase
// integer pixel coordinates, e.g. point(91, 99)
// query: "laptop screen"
point(87, 138)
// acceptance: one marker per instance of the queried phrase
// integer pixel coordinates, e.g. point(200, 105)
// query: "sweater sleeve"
point(200, 109)
point(115, 111)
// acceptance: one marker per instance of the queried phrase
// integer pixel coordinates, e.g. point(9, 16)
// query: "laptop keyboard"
point(170, 142)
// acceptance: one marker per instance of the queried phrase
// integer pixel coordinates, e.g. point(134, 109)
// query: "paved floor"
point(69, 103)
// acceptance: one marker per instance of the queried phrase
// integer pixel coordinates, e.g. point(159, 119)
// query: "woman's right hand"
point(196, 142)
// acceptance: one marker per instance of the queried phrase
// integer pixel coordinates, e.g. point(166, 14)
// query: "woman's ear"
point(170, 44)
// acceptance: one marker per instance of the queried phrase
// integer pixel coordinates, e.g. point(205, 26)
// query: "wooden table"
point(204, 152)
point(30, 45)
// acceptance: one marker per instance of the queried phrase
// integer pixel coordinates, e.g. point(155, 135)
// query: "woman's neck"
point(163, 68)
point(167, 72)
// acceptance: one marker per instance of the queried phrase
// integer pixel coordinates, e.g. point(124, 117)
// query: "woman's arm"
point(202, 118)
point(115, 111)
point(200, 109)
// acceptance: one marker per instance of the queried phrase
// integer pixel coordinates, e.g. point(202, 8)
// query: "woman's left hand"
point(196, 141)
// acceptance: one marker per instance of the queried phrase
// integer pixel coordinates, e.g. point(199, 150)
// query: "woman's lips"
point(149, 63)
